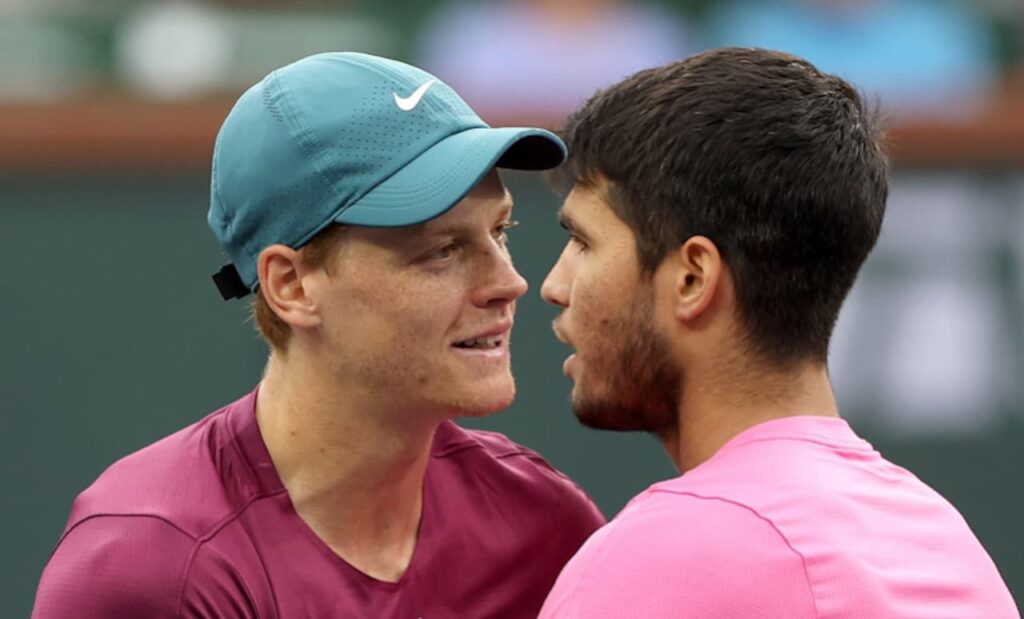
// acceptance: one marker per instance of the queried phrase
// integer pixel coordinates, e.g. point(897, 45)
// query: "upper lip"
point(501, 328)
point(562, 337)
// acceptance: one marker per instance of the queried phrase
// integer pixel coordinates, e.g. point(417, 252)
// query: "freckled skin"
point(395, 306)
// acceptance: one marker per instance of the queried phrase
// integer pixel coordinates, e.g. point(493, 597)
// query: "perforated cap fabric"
point(351, 138)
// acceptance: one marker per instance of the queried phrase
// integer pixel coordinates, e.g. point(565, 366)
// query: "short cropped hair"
point(317, 253)
point(779, 164)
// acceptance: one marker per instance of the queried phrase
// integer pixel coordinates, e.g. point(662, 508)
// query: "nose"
point(555, 289)
point(503, 283)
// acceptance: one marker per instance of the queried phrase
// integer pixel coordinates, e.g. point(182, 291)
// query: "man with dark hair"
point(721, 209)
point(357, 198)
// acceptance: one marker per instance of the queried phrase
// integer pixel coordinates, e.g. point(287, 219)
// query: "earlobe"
point(699, 277)
point(283, 286)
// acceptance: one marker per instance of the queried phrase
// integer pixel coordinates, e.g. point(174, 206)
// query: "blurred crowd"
point(946, 283)
point(528, 59)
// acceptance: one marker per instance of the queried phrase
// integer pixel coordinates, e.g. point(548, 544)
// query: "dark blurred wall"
point(113, 336)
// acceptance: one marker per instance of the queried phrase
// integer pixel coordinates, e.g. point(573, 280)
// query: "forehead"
point(587, 209)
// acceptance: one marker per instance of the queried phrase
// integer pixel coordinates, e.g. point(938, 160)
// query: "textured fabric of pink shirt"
point(198, 525)
point(795, 518)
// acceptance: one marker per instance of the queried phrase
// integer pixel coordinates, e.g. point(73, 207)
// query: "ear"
point(280, 269)
point(698, 279)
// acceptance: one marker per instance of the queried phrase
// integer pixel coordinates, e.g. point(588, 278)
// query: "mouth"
point(570, 361)
point(480, 343)
point(493, 341)
point(568, 365)
point(560, 334)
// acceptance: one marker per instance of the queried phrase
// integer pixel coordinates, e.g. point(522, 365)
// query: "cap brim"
point(443, 174)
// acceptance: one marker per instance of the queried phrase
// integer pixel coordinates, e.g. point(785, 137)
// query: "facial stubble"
point(640, 382)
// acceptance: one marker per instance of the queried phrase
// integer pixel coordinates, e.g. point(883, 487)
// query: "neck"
point(717, 405)
point(353, 468)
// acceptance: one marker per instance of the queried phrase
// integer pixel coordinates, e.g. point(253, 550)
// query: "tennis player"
point(357, 198)
point(722, 208)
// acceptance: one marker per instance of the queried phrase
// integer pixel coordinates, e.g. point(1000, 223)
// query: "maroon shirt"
point(199, 525)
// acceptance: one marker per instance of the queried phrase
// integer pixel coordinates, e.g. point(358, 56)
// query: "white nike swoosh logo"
point(408, 103)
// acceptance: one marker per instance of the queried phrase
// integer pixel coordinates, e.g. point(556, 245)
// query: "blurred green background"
point(113, 335)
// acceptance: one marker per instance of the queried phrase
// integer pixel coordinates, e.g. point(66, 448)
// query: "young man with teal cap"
point(357, 198)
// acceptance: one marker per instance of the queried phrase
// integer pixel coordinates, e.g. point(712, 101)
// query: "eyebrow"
point(571, 225)
point(463, 229)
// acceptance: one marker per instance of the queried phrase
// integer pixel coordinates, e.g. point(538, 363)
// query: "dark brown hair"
point(779, 164)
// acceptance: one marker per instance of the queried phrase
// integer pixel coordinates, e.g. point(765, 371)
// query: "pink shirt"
point(794, 518)
point(199, 525)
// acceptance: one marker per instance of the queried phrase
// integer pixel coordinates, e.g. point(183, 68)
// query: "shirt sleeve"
point(673, 555)
point(578, 518)
point(114, 567)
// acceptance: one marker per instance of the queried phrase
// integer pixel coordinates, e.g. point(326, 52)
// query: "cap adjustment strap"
point(230, 283)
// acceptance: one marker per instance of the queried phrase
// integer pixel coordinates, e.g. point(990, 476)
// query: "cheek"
point(602, 317)
point(397, 315)
point(381, 327)
point(593, 301)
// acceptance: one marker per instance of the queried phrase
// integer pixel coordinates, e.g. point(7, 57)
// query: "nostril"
point(555, 294)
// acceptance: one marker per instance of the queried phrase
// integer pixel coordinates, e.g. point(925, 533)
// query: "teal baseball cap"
point(353, 139)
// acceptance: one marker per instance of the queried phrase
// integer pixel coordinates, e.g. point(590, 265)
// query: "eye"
point(442, 254)
point(580, 244)
point(501, 232)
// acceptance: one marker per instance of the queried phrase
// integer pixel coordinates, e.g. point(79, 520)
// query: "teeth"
point(481, 342)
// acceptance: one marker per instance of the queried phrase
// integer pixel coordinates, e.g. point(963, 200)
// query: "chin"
point(484, 400)
point(591, 413)
point(605, 412)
